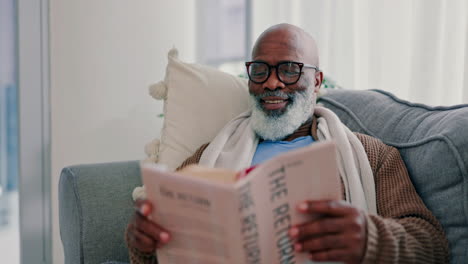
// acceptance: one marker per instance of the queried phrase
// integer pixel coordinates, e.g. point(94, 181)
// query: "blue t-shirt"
point(268, 149)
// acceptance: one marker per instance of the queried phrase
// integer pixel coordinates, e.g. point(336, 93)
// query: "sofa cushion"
point(433, 142)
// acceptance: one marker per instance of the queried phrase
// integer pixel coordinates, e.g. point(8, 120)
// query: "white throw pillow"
point(198, 102)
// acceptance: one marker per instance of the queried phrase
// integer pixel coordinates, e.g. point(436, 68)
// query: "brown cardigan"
point(404, 231)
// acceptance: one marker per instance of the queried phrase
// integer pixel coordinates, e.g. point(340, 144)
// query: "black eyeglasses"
point(288, 72)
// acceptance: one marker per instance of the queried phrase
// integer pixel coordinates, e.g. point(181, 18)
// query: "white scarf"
point(235, 145)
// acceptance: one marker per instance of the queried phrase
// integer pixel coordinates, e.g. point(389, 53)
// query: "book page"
point(201, 216)
point(274, 189)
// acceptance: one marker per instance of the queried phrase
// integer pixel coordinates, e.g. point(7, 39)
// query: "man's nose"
point(273, 83)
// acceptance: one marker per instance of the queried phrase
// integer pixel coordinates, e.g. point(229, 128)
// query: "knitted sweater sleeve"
point(137, 257)
point(404, 231)
point(195, 158)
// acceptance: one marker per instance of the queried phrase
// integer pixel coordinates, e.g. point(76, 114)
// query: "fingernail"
point(298, 247)
point(164, 236)
point(293, 232)
point(144, 209)
point(303, 206)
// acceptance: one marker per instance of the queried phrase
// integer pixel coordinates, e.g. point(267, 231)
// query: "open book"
point(221, 216)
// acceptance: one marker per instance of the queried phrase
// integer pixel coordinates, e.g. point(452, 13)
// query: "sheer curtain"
point(416, 49)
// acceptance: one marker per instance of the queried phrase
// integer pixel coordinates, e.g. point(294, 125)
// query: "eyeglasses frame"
point(301, 66)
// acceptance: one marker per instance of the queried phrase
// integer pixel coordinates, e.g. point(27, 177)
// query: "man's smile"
point(274, 102)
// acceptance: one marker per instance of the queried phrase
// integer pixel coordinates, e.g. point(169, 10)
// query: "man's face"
point(274, 96)
point(279, 108)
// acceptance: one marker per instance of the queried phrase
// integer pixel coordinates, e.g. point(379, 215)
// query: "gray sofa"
point(95, 200)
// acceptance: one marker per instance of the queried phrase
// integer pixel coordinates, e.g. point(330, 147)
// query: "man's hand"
point(338, 233)
point(143, 233)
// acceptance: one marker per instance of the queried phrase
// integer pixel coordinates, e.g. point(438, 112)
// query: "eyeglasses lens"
point(289, 72)
point(258, 72)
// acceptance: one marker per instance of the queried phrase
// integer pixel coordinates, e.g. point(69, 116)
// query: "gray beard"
point(278, 125)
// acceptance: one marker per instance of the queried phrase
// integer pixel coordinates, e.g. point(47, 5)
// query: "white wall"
point(104, 54)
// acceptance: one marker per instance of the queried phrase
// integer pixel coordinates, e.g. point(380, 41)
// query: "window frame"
point(202, 38)
point(34, 131)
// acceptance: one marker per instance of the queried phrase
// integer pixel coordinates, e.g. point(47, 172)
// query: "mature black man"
point(381, 218)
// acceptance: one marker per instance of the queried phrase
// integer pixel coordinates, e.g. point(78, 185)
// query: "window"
point(24, 132)
point(223, 36)
point(9, 206)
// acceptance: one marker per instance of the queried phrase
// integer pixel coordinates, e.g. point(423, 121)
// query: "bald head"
point(290, 38)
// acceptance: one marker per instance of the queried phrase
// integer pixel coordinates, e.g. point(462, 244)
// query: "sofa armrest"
point(95, 205)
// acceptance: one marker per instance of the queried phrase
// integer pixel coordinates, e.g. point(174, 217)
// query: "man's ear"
point(318, 81)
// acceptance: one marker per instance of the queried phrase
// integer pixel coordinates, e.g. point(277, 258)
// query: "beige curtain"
point(416, 49)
